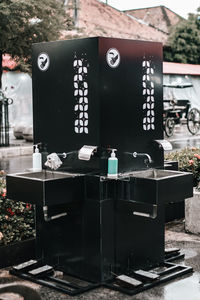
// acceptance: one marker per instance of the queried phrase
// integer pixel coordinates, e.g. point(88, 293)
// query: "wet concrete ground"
point(186, 287)
point(17, 157)
point(183, 138)
point(16, 164)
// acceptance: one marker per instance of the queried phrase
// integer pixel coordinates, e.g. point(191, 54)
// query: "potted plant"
point(17, 228)
point(189, 161)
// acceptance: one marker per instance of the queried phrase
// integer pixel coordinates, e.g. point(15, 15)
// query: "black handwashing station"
point(98, 102)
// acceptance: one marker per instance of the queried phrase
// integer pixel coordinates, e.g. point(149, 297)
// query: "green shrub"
point(188, 161)
point(16, 218)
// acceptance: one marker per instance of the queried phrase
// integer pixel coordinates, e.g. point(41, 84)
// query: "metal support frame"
point(74, 286)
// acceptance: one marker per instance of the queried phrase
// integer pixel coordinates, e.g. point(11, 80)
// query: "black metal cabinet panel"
point(139, 239)
point(131, 96)
point(99, 91)
point(56, 92)
point(60, 241)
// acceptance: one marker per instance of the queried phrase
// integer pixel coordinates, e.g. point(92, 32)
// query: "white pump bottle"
point(37, 160)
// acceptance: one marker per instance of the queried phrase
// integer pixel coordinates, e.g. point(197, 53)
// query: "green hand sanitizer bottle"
point(113, 165)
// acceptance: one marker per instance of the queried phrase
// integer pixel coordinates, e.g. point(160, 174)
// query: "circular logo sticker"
point(43, 61)
point(113, 58)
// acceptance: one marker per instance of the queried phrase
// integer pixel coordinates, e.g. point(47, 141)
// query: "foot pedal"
point(163, 273)
point(172, 250)
point(25, 266)
point(41, 271)
point(172, 254)
point(127, 282)
point(144, 275)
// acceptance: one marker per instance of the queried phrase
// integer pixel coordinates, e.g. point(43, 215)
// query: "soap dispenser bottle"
point(113, 165)
point(37, 160)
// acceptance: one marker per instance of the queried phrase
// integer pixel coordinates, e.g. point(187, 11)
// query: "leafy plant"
point(188, 161)
point(16, 218)
point(23, 23)
point(184, 41)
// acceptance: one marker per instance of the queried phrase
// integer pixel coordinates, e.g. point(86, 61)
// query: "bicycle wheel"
point(193, 121)
point(169, 126)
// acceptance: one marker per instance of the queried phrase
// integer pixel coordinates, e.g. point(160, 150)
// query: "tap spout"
point(148, 157)
point(62, 155)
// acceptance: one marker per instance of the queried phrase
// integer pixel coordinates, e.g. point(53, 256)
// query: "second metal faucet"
point(148, 157)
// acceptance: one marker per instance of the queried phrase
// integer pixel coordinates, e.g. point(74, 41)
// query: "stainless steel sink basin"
point(45, 187)
point(46, 175)
point(161, 186)
point(156, 174)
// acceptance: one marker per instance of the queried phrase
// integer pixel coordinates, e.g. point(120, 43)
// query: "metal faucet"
point(149, 159)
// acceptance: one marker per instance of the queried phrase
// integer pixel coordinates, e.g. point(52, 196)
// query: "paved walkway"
point(183, 138)
point(18, 147)
point(17, 157)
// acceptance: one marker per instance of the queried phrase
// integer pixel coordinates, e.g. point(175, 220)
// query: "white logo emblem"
point(113, 58)
point(43, 61)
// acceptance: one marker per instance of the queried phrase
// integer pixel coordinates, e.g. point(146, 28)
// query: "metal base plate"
point(166, 272)
point(42, 275)
point(124, 283)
